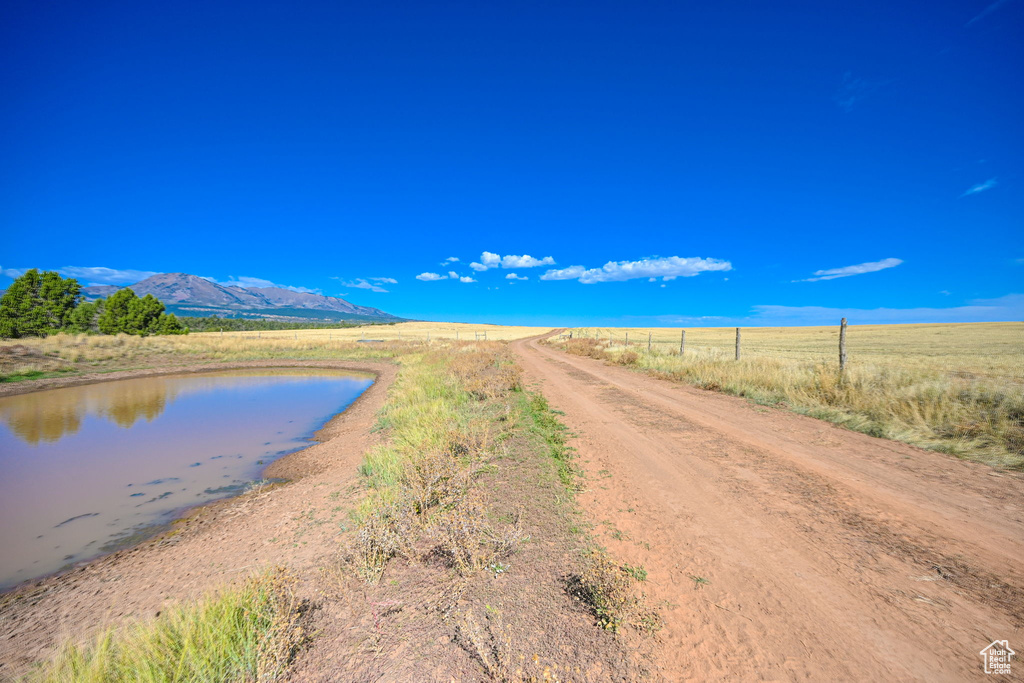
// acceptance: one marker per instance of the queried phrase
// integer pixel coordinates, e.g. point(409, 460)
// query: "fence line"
point(775, 349)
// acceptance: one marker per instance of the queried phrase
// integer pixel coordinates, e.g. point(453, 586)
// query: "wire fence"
point(984, 349)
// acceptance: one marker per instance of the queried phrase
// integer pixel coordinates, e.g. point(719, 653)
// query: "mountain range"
point(190, 295)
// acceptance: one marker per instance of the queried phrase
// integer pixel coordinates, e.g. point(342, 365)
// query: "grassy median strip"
point(443, 417)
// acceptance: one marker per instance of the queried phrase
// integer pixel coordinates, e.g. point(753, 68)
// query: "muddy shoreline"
point(37, 614)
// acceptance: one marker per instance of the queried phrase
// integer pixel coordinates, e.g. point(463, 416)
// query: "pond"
point(91, 469)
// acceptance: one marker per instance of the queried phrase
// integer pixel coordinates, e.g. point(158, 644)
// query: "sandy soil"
point(295, 525)
point(788, 548)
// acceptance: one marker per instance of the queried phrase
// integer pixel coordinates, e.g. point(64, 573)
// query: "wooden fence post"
point(627, 339)
point(456, 335)
point(682, 341)
point(842, 345)
point(737, 343)
point(648, 342)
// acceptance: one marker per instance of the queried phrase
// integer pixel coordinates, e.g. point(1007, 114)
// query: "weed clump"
point(628, 358)
point(607, 589)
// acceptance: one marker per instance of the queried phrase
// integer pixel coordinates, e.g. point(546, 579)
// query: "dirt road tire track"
point(827, 554)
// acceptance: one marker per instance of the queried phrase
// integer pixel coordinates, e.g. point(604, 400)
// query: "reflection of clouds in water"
point(49, 416)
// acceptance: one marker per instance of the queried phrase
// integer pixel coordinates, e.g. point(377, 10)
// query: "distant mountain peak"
point(186, 292)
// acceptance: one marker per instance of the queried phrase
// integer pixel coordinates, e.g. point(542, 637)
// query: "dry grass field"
point(957, 388)
point(992, 349)
point(31, 357)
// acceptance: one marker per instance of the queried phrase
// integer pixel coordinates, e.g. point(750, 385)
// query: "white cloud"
point(450, 259)
point(570, 273)
point(525, 261)
point(361, 283)
point(246, 282)
point(980, 187)
point(487, 260)
point(98, 275)
point(490, 260)
point(452, 275)
point(667, 268)
point(847, 271)
point(13, 273)
point(385, 280)
point(985, 12)
point(513, 276)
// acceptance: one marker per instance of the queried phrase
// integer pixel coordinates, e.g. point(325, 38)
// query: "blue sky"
point(764, 163)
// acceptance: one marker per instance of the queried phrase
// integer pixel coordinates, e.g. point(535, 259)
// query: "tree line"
point(39, 304)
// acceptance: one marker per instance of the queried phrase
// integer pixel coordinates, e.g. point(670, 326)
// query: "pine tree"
point(115, 311)
point(83, 318)
point(143, 315)
point(37, 304)
point(169, 324)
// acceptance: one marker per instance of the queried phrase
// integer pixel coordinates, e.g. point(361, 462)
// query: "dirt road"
point(790, 549)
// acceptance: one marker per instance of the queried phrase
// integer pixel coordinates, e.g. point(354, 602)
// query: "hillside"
point(190, 295)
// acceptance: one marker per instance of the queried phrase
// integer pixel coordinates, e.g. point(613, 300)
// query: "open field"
point(955, 388)
point(85, 353)
point(991, 349)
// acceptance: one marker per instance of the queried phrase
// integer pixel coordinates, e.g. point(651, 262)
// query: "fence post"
point(296, 336)
point(682, 341)
point(737, 343)
point(842, 345)
point(456, 335)
point(627, 340)
point(648, 342)
point(485, 335)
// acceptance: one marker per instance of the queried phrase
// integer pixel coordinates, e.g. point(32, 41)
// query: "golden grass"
point(65, 352)
point(978, 348)
point(956, 388)
point(441, 420)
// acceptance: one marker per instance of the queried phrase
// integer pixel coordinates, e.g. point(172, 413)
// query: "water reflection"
point(89, 469)
point(49, 416)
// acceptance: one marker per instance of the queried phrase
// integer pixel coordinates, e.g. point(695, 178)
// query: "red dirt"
point(822, 554)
